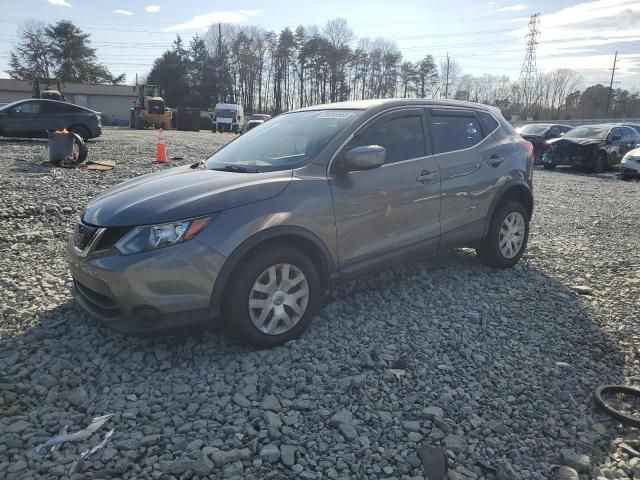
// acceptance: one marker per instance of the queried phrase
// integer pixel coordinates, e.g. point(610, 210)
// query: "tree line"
point(60, 50)
point(271, 72)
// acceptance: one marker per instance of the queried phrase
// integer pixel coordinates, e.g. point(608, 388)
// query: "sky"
point(481, 36)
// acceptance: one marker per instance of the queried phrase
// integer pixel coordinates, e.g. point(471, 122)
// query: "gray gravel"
point(499, 366)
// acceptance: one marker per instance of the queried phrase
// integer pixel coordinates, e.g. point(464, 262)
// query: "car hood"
point(574, 141)
point(180, 193)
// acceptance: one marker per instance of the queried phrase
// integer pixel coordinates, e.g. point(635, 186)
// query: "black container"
point(188, 119)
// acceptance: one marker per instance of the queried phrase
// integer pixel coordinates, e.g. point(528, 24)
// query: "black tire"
point(601, 163)
point(82, 131)
point(83, 151)
point(628, 420)
point(489, 248)
point(549, 166)
point(236, 304)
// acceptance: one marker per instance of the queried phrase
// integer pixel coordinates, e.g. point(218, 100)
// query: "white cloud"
point(60, 3)
point(513, 8)
point(200, 22)
point(152, 8)
point(123, 12)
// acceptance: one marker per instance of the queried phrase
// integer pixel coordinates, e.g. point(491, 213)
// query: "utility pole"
point(446, 85)
point(613, 72)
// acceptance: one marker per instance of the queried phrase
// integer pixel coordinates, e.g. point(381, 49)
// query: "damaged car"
point(630, 164)
point(592, 148)
point(539, 133)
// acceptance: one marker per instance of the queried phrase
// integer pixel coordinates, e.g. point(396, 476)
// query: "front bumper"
point(630, 166)
point(147, 292)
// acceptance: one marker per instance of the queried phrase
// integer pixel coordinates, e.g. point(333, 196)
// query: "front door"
point(395, 205)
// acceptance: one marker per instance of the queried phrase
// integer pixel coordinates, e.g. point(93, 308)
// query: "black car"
point(539, 133)
point(33, 118)
point(590, 147)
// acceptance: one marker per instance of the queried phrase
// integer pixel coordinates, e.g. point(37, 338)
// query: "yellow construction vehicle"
point(150, 109)
point(48, 88)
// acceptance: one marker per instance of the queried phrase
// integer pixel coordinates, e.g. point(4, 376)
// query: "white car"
point(631, 163)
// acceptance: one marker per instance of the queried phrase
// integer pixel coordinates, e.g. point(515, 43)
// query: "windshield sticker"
point(335, 115)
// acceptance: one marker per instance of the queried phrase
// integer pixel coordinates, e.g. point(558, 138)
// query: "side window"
point(614, 132)
point(403, 137)
point(48, 107)
point(628, 132)
point(27, 107)
point(452, 133)
point(489, 124)
point(565, 129)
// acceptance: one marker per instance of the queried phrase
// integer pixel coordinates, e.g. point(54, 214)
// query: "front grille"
point(83, 234)
point(111, 236)
point(156, 106)
point(102, 305)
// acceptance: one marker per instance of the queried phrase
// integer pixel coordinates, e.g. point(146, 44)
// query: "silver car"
point(252, 237)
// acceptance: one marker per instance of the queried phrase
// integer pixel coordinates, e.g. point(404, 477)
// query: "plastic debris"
point(397, 372)
point(434, 462)
point(87, 453)
point(473, 314)
point(63, 437)
point(562, 364)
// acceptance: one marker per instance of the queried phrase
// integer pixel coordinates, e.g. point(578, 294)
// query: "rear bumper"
point(149, 292)
point(96, 131)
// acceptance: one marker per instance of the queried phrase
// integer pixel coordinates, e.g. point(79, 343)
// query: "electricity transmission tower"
point(529, 68)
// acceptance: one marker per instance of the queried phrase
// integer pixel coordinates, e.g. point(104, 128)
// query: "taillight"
point(528, 146)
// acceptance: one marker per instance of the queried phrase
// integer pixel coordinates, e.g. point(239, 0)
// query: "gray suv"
point(252, 237)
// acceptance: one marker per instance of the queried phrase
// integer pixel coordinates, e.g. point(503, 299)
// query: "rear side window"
point(455, 132)
point(49, 107)
point(489, 124)
point(27, 107)
point(403, 137)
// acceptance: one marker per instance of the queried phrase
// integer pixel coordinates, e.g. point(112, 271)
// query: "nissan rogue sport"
point(253, 236)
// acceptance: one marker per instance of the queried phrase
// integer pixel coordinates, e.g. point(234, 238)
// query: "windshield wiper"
point(237, 168)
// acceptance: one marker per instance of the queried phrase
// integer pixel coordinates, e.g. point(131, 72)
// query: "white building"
point(113, 101)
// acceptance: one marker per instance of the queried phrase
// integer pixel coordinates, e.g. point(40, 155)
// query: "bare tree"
point(32, 57)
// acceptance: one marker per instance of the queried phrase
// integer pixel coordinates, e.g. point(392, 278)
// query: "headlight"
point(153, 237)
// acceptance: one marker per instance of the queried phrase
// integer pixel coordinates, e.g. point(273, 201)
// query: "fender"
point(521, 185)
point(239, 253)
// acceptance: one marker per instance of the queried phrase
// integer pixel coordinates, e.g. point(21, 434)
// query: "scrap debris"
point(63, 436)
point(90, 451)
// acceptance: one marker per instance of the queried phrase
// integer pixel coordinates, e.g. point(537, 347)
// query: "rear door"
point(396, 205)
point(473, 163)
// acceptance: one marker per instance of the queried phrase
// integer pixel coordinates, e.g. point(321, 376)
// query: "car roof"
point(46, 100)
point(384, 103)
point(548, 125)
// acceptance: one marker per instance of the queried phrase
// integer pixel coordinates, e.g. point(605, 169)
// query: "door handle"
point(427, 176)
point(495, 160)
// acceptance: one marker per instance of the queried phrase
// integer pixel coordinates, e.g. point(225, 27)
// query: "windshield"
point(288, 141)
point(533, 129)
point(224, 112)
point(588, 132)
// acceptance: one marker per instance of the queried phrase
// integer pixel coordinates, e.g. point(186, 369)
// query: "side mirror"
point(363, 158)
point(615, 138)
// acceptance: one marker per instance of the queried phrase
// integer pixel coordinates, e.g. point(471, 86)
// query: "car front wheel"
point(507, 238)
point(272, 297)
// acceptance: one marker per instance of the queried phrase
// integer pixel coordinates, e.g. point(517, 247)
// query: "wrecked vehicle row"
point(592, 148)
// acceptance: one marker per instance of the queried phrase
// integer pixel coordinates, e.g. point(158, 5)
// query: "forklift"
point(47, 88)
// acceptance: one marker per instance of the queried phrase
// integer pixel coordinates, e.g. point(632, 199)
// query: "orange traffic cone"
point(161, 148)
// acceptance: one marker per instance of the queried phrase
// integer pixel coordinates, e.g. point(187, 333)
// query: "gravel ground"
point(499, 366)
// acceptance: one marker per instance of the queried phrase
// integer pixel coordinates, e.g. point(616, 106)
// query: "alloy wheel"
point(512, 232)
point(278, 299)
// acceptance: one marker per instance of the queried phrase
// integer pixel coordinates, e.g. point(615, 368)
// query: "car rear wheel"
point(507, 238)
point(272, 297)
point(82, 131)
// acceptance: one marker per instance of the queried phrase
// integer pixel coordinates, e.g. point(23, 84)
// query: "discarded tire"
point(612, 412)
